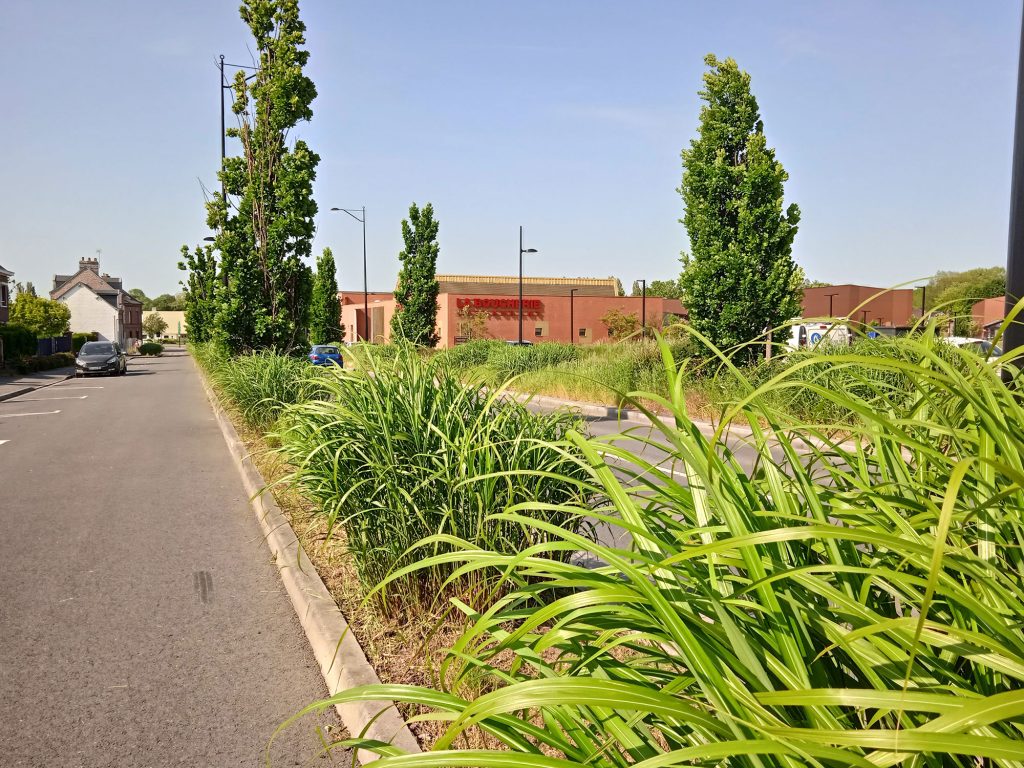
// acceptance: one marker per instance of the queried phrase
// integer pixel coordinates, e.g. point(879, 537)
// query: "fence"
point(54, 345)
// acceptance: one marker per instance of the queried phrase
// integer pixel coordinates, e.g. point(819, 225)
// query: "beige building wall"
point(174, 319)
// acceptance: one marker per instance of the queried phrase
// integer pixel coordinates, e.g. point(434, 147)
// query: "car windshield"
point(325, 350)
point(97, 348)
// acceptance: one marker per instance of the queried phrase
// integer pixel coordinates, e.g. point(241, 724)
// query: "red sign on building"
point(499, 304)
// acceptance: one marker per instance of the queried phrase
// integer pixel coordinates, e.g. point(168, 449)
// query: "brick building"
point(568, 310)
point(886, 307)
point(988, 315)
point(5, 293)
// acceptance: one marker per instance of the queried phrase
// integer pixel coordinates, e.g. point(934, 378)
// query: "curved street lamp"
point(521, 252)
point(366, 295)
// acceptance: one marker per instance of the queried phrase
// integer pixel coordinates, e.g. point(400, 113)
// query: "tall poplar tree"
point(739, 277)
point(415, 319)
point(265, 227)
point(200, 291)
point(325, 309)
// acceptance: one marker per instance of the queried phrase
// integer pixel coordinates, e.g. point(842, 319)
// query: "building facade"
point(175, 319)
point(988, 315)
point(567, 310)
point(5, 294)
point(890, 308)
point(99, 303)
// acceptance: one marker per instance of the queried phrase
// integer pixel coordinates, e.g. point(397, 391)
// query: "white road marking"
point(74, 387)
point(4, 441)
point(39, 413)
point(41, 399)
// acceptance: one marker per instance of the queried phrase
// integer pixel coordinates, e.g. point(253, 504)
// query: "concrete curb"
point(26, 390)
point(636, 417)
point(341, 659)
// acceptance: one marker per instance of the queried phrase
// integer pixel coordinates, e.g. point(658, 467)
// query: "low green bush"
point(79, 339)
point(151, 348)
point(45, 362)
point(463, 357)
point(17, 342)
point(401, 448)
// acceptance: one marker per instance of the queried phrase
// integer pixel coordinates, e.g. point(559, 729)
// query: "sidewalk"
point(19, 385)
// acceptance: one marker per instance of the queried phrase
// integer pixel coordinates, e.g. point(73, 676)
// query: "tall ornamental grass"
point(260, 384)
point(401, 449)
point(853, 601)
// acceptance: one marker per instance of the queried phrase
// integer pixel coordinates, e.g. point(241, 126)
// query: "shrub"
point(79, 339)
point(151, 348)
point(45, 362)
point(842, 603)
point(472, 354)
point(401, 449)
point(261, 384)
point(17, 342)
point(507, 360)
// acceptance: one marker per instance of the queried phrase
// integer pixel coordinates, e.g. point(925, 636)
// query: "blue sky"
point(894, 121)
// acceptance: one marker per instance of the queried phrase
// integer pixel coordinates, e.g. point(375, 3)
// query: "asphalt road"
point(141, 621)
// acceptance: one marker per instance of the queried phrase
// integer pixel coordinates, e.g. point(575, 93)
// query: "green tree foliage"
point(325, 309)
point(620, 324)
point(200, 302)
point(140, 295)
point(814, 284)
point(43, 317)
point(415, 319)
point(739, 277)
point(28, 288)
point(472, 323)
point(154, 325)
point(165, 302)
point(955, 293)
point(666, 289)
point(265, 228)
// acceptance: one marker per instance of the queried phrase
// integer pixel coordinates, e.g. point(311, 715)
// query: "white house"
point(99, 304)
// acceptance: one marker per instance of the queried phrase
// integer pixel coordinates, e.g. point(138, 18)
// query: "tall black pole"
point(366, 293)
point(1014, 336)
point(643, 309)
point(520, 285)
point(924, 295)
point(223, 134)
point(223, 155)
point(572, 317)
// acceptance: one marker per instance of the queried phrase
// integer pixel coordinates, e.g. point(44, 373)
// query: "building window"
point(3, 295)
point(538, 331)
point(584, 333)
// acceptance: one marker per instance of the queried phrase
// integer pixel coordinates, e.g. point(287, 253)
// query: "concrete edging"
point(26, 390)
point(342, 661)
point(636, 417)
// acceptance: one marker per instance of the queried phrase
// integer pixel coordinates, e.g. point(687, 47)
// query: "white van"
point(818, 333)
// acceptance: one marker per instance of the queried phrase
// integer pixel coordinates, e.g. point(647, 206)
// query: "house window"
point(538, 331)
point(3, 295)
point(584, 333)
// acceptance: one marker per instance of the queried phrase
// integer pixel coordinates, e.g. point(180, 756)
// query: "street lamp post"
point(521, 252)
point(830, 297)
point(572, 317)
point(643, 309)
point(1014, 334)
point(366, 294)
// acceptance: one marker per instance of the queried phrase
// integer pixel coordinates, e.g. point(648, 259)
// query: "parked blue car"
point(326, 354)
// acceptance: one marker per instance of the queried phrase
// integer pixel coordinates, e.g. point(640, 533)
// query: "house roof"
point(102, 285)
point(6, 272)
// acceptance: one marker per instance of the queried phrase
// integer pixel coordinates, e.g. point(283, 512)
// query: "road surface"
point(141, 621)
